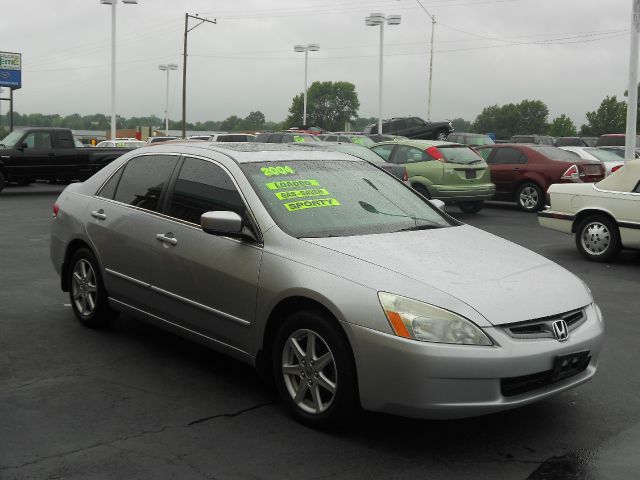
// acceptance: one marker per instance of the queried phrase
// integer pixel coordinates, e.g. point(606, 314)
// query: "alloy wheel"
point(529, 198)
point(595, 238)
point(309, 371)
point(83, 287)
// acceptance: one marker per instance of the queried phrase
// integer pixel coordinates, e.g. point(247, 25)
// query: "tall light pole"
point(167, 68)
point(374, 20)
point(113, 4)
point(433, 29)
point(312, 47)
point(632, 106)
point(184, 65)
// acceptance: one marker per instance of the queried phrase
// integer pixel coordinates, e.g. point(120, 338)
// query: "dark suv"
point(537, 139)
point(413, 127)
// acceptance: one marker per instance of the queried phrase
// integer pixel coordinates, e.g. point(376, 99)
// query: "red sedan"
point(523, 172)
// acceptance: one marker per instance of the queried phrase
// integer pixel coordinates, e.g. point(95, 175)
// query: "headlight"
point(428, 323)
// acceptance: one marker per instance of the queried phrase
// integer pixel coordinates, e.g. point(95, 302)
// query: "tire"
point(441, 135)
point(87, 294)
point(598, 238)
point(530, 197)
point(3, 181)
point(317, 384)
point(470, 207)
point(422, 190)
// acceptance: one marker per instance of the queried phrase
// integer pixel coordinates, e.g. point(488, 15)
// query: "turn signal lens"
point(434, 153)
point(572, 173)
point(56, 209)
point(405, 176)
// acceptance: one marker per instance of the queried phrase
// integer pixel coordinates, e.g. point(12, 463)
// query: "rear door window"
point(405, 154)
point(144, 179)
point(508, 156)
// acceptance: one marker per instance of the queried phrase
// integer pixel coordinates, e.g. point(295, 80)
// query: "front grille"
point(541, 327)
point(512, 386)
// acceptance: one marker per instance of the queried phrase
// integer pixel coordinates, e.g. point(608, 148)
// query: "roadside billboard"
point(11, 70)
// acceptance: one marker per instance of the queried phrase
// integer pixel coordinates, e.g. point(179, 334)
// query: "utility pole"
point(632, 106)
point(433, 28)
point(184, 65)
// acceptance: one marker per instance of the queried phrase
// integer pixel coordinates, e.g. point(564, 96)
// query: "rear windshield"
point(476, 140)
point(603, 155)
point(329, 198)
point(459, 154)
point(361, 152)
point(555, 153)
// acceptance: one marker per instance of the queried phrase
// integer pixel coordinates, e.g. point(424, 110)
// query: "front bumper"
point(428, 380)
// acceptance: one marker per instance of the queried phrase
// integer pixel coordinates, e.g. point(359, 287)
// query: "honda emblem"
point(560, 330)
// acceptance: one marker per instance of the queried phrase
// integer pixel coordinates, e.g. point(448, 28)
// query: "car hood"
point(502, 281)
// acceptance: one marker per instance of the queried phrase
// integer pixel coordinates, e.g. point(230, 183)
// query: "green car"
point(450, 172)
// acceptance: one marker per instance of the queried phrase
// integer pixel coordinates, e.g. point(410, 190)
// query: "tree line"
point(331, 105)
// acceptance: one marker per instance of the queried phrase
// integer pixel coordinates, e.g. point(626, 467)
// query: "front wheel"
point(86, 291)
point(470, 207)
point(597, 238)
point(314, 370)
point(530, 197)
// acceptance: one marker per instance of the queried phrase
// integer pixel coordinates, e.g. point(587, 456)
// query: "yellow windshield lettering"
point(292, 184)
point(317, 203)
point(310, 192)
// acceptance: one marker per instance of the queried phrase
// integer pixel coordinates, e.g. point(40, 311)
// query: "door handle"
point(99, 214)
point(167, 238)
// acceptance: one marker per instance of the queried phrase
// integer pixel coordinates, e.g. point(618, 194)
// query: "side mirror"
point(221, 223)
point(22, 145)
point(437, 203)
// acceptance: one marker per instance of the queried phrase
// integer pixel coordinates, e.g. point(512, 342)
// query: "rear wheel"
point(442, 135)
point(314, 370)
point(530, 197)
point(422, 190)
point(598, 238)
point(86, 291)
point(471, 207)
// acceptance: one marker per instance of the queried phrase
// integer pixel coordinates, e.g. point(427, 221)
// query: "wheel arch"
point(72, 248)
point(587, 212)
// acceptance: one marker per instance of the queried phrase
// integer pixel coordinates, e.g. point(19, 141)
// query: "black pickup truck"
point(412, 127)
point(29, 154)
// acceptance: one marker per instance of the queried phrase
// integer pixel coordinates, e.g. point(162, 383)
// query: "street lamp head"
point(299, 48)
point(394, 20)
point(130, 2)
point(313, 47)
point(172, 66)
point(163, 67)
point(107, 2)
point(374, 19)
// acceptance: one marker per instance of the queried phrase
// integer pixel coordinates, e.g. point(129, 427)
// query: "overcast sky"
point(568, 53)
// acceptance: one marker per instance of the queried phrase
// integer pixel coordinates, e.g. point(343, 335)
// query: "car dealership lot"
point(136, 402)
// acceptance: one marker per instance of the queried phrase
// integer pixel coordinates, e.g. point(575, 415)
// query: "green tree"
point(329, 105)
point(461, 125)
point(610, 117)
point(361, 122)
point(229, 123)
point(562, 126)
point(526, 117)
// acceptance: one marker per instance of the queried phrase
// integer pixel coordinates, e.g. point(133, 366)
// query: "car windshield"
point(335, 198)
point(11, 139)
point(555, 153)
point(357, 151)
point(459, 154)
point(603, 155)
point(362, 140)
point(479, 140)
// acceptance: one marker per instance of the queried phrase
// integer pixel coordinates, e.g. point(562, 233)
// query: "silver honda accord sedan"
point(350, 289)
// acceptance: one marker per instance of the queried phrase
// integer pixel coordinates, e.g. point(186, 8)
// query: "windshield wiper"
point(419, 227)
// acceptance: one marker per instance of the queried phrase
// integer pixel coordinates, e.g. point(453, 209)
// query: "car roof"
point(246, 152)
point(420, 143)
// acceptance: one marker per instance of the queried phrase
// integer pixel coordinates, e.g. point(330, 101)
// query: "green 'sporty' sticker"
point(309, 192)
point(292, 184)
point(317, 203)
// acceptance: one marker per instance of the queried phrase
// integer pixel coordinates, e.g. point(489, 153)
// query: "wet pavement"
point(136, 402)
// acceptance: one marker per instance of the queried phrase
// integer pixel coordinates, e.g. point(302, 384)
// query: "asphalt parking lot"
point(136, 402)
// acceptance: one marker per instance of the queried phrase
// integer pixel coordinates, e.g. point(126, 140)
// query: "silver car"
point(347, 286)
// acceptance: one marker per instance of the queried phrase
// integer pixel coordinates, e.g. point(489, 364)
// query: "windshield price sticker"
point(298, 138)
point(310, 192)
point(292, 184)
point(357, 140)
point(304, 204)
point(273, 171)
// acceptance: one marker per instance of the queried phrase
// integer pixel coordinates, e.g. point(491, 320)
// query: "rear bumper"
point(463, 193)
point(562, 222)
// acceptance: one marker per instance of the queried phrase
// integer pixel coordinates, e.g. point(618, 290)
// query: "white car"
point(604, 216)
point(610, 160)
point(121, 143)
